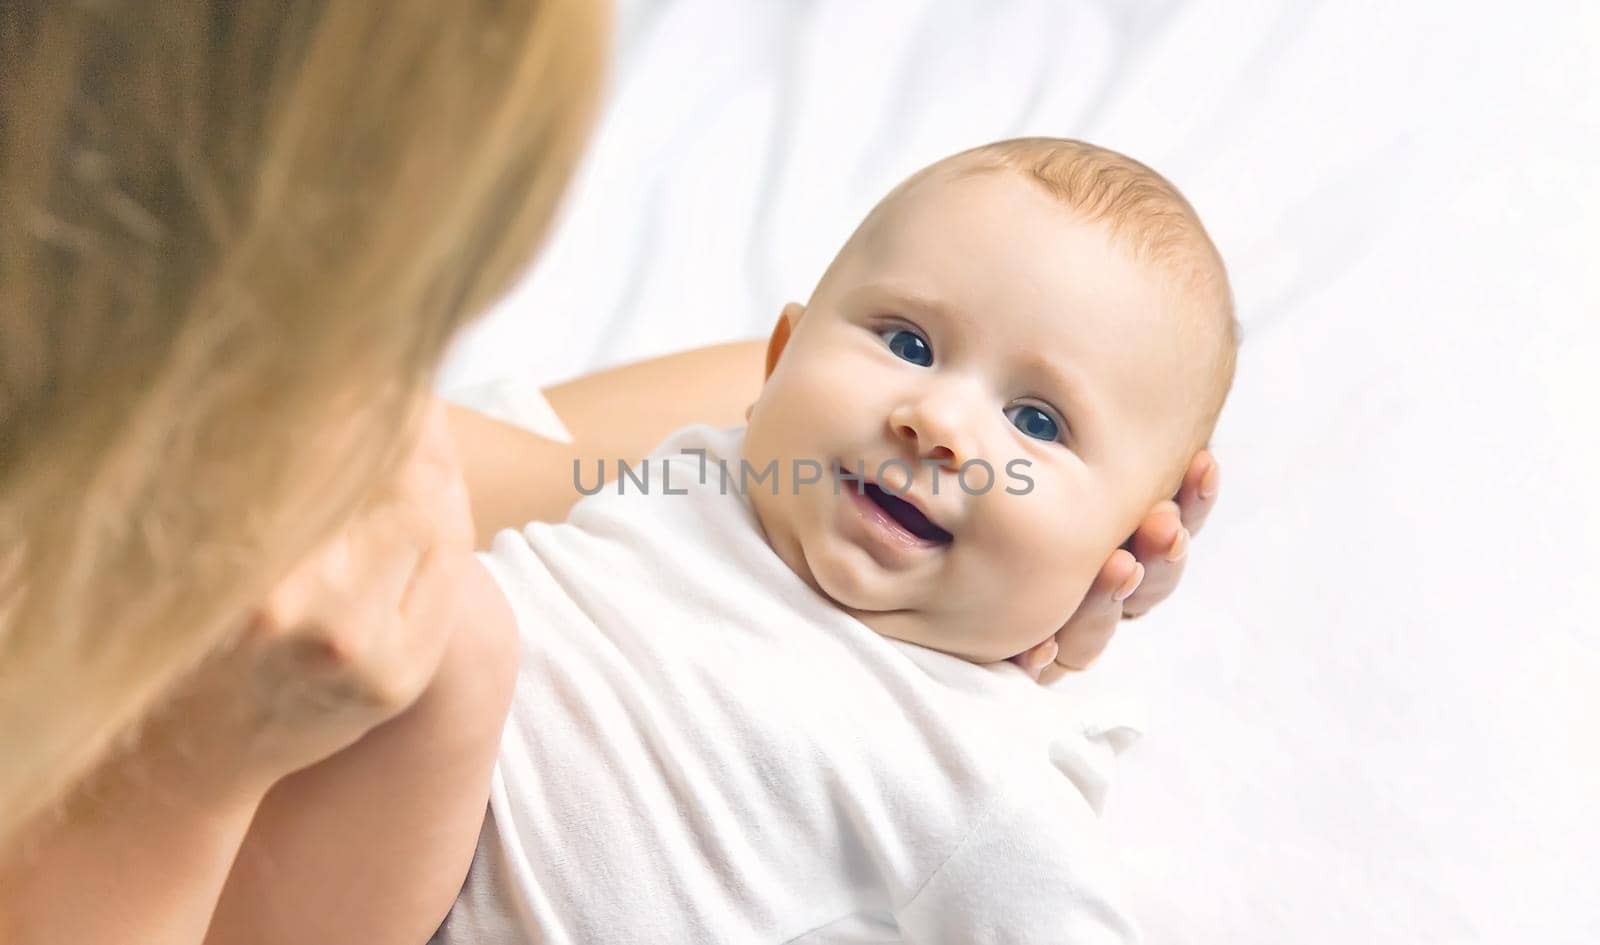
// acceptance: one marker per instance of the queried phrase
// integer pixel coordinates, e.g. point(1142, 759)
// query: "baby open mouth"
point(907, 515)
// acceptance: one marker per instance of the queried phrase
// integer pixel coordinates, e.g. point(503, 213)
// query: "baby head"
point(1018, 351)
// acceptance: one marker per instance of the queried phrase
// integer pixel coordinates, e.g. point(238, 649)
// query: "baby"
point(763, 698)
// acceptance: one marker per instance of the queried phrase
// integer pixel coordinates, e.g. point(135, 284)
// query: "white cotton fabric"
point(514, 400)
point(702, 749)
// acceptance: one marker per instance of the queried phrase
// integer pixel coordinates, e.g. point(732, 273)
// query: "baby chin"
point(851, 578)
point(912, 609)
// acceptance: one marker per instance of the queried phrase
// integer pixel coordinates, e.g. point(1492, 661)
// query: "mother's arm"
point(515, 477)
point(141, 857)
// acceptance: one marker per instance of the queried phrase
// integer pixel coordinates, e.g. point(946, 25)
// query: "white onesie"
point(702, 749)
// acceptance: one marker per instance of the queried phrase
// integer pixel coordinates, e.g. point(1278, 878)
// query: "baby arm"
point(372, 844)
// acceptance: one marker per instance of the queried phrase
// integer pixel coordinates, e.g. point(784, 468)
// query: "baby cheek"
point(1070, 573)
point(781, 417)
point(1052, 554)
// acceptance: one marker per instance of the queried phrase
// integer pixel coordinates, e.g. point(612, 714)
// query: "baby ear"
point(781, 333)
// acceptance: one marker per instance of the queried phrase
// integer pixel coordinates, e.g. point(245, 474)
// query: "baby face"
point(979, 324)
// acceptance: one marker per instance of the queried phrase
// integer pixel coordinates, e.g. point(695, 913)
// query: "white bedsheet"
point(1373, 708)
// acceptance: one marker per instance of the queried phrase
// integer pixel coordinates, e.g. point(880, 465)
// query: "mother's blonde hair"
point(235, 237)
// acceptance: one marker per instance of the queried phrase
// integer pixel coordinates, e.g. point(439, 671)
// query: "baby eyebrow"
point(897, 297)
point(1079, 408)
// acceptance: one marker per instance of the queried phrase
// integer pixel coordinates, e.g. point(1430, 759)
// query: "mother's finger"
point(1161, 544)
point(1084, 636)
point(1198, 494)
point(421, 626)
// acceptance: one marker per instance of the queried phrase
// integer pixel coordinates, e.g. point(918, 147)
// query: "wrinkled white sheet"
point(1373, 705)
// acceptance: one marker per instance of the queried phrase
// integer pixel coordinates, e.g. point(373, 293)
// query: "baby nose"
point(933, 426)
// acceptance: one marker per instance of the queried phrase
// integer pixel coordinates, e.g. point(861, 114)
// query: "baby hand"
point(1138, 576)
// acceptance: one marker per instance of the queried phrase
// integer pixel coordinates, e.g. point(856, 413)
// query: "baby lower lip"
point(883, 524)
point(906, 514)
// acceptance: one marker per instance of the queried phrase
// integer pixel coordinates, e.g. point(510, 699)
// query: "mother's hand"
point(346, 640)
point(1137, 576)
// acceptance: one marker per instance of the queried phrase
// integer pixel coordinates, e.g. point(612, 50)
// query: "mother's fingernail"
point(1130, 585)
point(1208, 482)
point(1180, 546)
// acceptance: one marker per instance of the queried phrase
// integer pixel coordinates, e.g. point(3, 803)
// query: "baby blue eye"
point(1034, 422)
point(908, 346)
